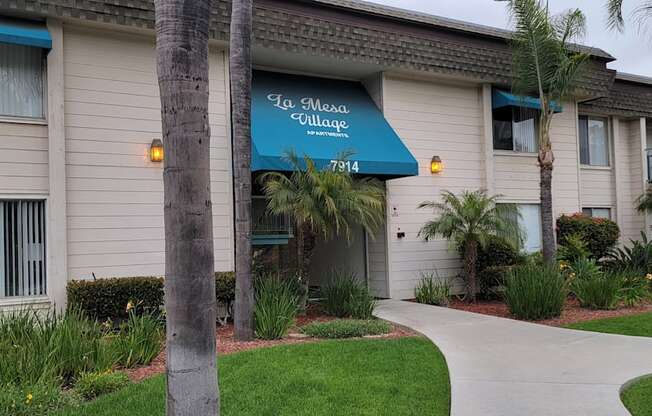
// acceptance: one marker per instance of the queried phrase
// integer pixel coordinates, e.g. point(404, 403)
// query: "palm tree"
point(544, 64)
point(323, 202)
point(182, 66)
point(615, 10)
point(644, 202)
point(240, 74)
point(469, 221)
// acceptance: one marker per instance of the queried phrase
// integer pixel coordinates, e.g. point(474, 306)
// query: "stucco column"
point(57, 242)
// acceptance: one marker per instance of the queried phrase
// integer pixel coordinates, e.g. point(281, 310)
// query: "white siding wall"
point(598, 188)
point(431, 119)
point(23, 159)
point(630, 182)
point(114, 193)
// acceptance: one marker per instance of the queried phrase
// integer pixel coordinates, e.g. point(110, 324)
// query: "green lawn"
point(636, 325)
point(406, 376)
point(638, 398)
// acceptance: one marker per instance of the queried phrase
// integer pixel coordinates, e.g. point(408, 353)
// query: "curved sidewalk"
point(504, 367)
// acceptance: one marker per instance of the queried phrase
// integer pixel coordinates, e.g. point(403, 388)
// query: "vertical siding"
point(431, 119)
point(630, 184)
point(517, 175)
point(23, 158)
point(114, 193)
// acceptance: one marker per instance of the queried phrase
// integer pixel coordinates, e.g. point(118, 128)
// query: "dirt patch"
point(226, 343)
point(572, 312)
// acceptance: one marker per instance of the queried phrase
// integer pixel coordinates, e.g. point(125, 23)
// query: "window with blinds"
point(22, 81)
point(22, 248)
point(516, 129)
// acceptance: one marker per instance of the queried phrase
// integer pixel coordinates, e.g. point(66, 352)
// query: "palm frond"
point(615, 18)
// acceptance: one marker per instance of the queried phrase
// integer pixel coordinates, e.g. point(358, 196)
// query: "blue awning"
point(322, 118)
point(24, 32)
point(504, 99)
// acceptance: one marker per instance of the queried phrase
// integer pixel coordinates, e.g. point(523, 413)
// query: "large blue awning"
point(23, 32)
point(322, 119)
point(504, 99)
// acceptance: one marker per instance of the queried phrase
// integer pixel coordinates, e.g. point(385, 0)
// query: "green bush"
point(496, 253)
point(599, 234)
point(635, 287)
point(597, 291)
point(582, 268)
point(138, 340)
point(492, 279)
point(573, 248)
point(38, 400)
point(346, 297)
point(432, 291)
point(346, 328)
point(92, 385)
point(276, 307)
point(225, 288)
point(39, 348)
point(104, 299)
point(535, 292)
point(637, 257)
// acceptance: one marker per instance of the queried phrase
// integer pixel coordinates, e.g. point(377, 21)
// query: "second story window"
point(594, 141)
point(21, 81)
point(515, 129)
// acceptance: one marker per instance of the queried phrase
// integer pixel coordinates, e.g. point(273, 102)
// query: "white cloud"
point(633, 49)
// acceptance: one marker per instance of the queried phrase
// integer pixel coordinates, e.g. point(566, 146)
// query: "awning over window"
point(24, 32)
point(323, 118)
point(505, 99)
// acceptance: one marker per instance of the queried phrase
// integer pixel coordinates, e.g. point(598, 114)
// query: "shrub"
point(635, 287)
point(37, 400)
point(104, 299)
point(347, 328)
point(495, 253)
point(276, 307)
point(492, 279)
point(45, 348)
point(597, 291)
point(346, 297)
point(535, 292)
point(92, 385)
point(599, 234)
point(573, 248)
point(582, 269)
point(432, 291)
point(635, 258)
point(225, 288)
point(138, 340)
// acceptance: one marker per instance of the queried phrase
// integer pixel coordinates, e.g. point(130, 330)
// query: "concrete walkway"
point(503, 367)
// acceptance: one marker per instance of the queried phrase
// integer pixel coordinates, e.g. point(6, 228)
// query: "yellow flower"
point(563, 265)
point(29, 398)
point(648, 276)
point(130, 306)
point(572, 275)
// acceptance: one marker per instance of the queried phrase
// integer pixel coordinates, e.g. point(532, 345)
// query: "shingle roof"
point(630, 96)
point(343, 30)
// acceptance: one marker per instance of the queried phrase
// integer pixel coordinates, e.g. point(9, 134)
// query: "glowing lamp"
point(156, 153)
point(436, 165)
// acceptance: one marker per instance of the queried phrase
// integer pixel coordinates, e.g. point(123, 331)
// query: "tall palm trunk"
point(240, 72)
point(182, 65)
point(470, 259)
point(306, 240)
point(546, 161)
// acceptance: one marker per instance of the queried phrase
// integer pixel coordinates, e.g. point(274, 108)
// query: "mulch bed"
point(226, 344)
point(572, 312)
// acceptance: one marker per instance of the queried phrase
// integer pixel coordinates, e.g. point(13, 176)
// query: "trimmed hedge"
point(346, 328)
point(599, 234)
point(104, 299)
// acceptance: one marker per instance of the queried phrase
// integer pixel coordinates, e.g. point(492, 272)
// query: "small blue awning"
point(24, 32)
point(505, 99)
point(322, 119)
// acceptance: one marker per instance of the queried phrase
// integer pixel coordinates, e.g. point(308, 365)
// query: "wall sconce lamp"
point(156, 152)
point(436, 165)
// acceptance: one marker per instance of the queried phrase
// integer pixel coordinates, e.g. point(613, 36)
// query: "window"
point(594, 141)
point(597, 212)
point(530, 223)
point(22, 248)
point(21, 81)
point(515, 128)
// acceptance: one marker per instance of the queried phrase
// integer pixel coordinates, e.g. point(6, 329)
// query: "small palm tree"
point(615, 10)
point(468, 221)
point(544, 64)
point(323, 202)
point(644, 202)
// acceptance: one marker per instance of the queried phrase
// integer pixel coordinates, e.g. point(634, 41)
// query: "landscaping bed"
point(572, 312)
point(406, 376)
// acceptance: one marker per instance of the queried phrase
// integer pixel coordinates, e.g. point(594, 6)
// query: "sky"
point(633, 48)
